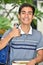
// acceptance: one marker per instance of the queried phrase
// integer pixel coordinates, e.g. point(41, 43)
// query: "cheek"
point(21, 17)
point(31, 17)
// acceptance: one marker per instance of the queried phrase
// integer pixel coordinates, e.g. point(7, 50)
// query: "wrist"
point(10, 35)
point(34, 61)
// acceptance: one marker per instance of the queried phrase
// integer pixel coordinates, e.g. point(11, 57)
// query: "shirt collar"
point(22, 32)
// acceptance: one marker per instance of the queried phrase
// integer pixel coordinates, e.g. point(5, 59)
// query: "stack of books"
point(19, 62)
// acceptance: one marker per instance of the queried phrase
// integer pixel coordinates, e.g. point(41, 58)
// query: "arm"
point(3, 42)
point(38, 59)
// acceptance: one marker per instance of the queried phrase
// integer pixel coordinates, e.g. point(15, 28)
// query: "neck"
point(25, 28)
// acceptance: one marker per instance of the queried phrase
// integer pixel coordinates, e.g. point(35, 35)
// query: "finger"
point(16, 25)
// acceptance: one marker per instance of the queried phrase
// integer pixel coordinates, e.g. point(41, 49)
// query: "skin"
point(26, 16)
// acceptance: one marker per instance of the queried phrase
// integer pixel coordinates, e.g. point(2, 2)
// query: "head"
point(26, 13)
point(26, 5)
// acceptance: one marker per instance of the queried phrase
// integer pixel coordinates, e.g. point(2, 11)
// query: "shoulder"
point(37, 33)
point(6, 33)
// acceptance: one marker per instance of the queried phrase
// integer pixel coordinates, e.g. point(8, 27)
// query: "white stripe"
point(39, 48)
point(25, 40)
point(24, 46)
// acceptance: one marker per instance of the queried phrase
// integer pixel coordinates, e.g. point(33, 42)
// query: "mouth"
point(26, 19)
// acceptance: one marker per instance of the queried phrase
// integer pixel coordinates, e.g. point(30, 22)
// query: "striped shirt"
point(25, 46)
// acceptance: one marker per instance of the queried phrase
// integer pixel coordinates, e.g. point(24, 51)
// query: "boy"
point(25, 42)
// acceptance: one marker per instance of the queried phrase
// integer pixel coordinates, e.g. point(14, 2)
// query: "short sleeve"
point(5, 34)
point(40, 44)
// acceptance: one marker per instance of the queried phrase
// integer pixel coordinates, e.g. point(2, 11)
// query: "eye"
point(23, 12)
point(30, 12)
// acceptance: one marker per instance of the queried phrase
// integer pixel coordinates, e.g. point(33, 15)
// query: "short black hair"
point(26, 5)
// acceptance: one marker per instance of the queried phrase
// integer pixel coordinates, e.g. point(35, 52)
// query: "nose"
point(26, 15)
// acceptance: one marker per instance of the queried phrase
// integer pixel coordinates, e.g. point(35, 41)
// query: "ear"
point(33, 17)
point(18, 16)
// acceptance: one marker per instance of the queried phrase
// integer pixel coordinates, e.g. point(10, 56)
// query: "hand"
point(32, 62)
point(15, 32)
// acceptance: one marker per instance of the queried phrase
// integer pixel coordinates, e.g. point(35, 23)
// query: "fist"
point(15, 32)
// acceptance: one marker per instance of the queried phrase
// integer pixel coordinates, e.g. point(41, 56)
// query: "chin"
point(26, 23)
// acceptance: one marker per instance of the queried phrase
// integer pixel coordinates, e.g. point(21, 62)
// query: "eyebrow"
point(28, 11)
point(22, 11)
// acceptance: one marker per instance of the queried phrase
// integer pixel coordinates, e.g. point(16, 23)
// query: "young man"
point(26, 44)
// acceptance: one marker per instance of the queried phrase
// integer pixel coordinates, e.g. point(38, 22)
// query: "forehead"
point(26, 9)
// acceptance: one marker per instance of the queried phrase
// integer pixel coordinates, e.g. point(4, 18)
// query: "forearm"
point(5, 41)
point(14, 33)
point(38, 59)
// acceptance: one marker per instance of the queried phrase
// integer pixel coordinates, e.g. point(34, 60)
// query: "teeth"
point(26, 19)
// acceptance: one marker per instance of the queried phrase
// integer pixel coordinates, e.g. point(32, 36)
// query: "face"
point(26, 15)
